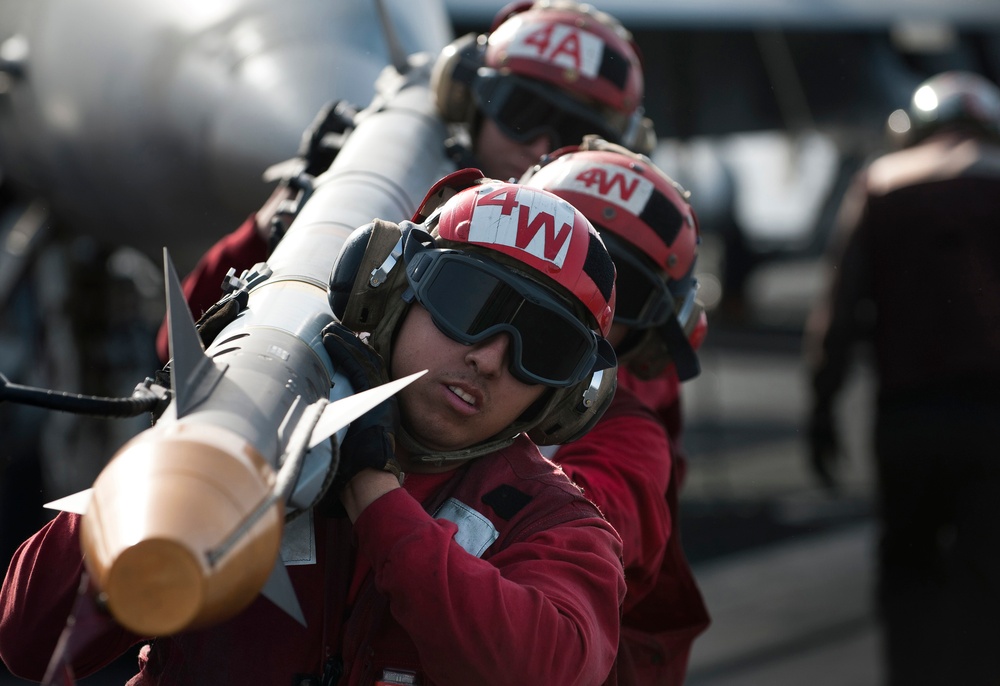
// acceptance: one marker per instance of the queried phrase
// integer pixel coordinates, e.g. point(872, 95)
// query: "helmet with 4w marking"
point(488, 258)
point(652, 233)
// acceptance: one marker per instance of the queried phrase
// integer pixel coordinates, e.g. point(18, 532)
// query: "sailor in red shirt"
point(487, 565)
point(630, 462)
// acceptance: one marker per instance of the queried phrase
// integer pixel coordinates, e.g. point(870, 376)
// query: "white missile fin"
point(192, 373)
point(339, 414)
point(279, 590)
point(76, 503)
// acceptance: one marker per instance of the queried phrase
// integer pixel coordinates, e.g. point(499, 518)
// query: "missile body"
point(184, 525)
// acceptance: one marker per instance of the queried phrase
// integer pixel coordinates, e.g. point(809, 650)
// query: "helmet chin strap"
point(420, 454)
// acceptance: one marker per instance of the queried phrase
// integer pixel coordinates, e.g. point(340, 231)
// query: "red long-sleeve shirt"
point(627, 464)
point(541, 606)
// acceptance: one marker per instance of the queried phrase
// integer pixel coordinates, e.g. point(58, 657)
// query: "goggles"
point(644, 300)
point(525, 109)
point(471, 300)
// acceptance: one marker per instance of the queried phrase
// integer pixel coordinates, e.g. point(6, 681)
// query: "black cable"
point(142, 400)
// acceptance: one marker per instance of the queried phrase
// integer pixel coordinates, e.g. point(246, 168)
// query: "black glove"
point(314, 148)
point(824, 450)
point(370, 441)
point(219, 316)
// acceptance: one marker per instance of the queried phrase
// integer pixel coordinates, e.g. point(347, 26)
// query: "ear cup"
point(355, 301)
point(346, 268)
point(452, 76)
point(576, 412)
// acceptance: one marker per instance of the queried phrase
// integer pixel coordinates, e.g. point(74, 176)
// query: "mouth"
point(468, 398)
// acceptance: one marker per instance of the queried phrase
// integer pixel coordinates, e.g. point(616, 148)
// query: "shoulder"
point(937, 159)
point(522, 463)
point(523, 492)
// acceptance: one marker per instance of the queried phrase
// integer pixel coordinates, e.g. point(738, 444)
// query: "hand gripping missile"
point(183, 527)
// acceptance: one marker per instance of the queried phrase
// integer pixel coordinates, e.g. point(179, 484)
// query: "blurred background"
point(125, 127)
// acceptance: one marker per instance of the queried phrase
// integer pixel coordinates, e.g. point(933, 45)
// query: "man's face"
point(468, 393)
point(504, 158)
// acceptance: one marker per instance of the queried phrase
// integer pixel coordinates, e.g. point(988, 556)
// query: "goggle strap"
point(681, 351)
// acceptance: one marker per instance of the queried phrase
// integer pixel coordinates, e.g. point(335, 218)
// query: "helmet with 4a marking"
point(554, 67)
point(573, 47)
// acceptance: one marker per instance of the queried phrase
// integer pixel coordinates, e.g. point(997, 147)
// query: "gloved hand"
point(824, 448)
point(219, 316)
point(317, 152)
point(370, 441)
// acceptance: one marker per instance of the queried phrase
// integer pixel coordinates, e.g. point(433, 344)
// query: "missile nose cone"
point(155, 587)
point(158, 534)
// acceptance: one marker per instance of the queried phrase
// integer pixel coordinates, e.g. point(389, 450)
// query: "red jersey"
point(537, 603)
point(626, 464)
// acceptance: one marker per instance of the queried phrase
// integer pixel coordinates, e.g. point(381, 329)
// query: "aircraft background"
point(149, 124)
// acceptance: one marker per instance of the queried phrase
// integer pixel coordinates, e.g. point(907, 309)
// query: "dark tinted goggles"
point(471, 300)
point(643, 299)
point(525, 109)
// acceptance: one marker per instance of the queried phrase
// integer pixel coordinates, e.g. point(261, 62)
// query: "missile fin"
point(279, 590)
point(193, 374)
point(339, 414)
point(76, 503)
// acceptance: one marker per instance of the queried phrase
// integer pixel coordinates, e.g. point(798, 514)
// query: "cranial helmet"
point(554, 62)
point(652, 234)
point(486, 258)
point(951, 99)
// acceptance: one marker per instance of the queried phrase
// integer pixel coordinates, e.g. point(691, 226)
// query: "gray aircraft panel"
point(719, 14)
point(150, 124)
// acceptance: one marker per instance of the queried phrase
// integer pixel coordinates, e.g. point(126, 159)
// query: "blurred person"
point(631, 463)
point(484, 563)
point(546, 74)
point(916, 272)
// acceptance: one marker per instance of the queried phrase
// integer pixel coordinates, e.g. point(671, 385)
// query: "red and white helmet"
point(625, 195)
point(648, 226)
point(541, 232)
point(573, 47)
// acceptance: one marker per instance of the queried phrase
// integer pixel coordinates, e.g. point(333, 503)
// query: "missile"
point(185, 525)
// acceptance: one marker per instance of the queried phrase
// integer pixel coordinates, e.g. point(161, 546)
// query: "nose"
point(490, 357)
